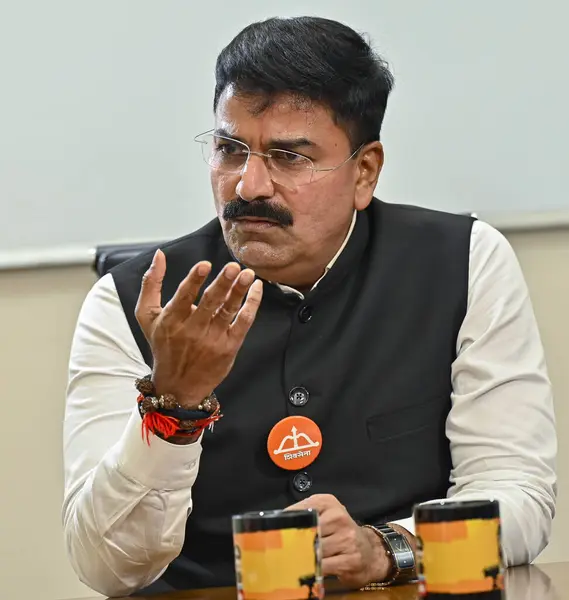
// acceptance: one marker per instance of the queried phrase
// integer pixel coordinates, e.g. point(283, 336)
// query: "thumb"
point(149, 304)
point(301, 505)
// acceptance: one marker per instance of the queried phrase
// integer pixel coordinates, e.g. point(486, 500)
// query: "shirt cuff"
point(160, 465)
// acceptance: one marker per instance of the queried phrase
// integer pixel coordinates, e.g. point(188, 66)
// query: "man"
point(401, 342)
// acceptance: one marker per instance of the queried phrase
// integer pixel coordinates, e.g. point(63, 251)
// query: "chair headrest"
point(111, 255)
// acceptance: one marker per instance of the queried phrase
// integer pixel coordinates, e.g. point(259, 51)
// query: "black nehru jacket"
point(371, 349)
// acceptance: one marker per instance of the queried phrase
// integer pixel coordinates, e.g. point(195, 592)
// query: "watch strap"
point(400, 554)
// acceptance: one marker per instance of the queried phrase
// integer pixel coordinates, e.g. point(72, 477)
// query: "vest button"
point(298, 396)
point(305, 314)
point(302, 482)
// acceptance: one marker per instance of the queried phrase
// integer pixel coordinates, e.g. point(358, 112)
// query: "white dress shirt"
point(126, 503)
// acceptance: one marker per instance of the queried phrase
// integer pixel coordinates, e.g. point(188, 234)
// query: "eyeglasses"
point(286, 168)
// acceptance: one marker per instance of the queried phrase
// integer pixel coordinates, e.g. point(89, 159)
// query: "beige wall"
point(38, 311)
point(544, 257)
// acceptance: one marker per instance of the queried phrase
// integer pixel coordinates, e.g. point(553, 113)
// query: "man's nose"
point(255, 180)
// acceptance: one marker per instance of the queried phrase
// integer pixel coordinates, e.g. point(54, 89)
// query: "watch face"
point(400, 544)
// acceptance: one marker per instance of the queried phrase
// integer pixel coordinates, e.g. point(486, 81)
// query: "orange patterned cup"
point(458, 550)
point(277, 555)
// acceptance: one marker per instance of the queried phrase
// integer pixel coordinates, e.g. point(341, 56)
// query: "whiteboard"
point(100, 100)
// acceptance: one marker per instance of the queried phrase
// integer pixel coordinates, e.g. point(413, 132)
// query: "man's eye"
point(229, 149)
point(290, 158)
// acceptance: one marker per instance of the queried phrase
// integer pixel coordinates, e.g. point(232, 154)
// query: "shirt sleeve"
point(125, 502)
point(501, 425)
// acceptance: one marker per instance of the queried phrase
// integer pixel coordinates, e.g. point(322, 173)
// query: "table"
point(543, 582)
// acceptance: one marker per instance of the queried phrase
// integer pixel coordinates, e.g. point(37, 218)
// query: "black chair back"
point(111, 255)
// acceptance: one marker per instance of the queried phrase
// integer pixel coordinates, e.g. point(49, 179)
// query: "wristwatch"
point(400, 554)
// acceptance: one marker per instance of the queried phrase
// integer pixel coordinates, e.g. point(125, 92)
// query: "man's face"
point(311, 220)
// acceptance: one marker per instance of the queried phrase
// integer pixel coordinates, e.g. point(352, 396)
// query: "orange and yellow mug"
point(458, 550)
point(277, 555)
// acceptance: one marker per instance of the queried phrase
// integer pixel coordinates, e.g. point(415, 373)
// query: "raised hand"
point(194, 346)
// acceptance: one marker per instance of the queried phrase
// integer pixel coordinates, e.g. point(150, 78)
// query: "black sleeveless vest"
point(372, 345)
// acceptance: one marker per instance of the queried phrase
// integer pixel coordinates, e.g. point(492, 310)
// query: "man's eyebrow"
point(224, 133)
point(291, 143)
point(279, 144)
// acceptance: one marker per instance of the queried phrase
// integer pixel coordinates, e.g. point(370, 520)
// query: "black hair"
point(310, 58)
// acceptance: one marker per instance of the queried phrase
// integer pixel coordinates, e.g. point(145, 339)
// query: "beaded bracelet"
point(162, 415)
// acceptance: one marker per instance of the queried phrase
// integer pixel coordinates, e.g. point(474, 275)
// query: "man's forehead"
point(278, 116)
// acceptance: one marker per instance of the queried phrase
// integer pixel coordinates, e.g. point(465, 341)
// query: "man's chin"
point(259, 255)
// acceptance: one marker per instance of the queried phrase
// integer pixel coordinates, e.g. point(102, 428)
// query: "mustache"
point(261, 209)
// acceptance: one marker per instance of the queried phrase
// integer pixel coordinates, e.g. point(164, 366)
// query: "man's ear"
point(370, 163)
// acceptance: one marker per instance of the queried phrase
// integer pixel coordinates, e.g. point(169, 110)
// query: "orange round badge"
point(294, 443)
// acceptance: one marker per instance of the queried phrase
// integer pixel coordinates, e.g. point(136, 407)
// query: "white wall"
point(101, 100)
point(38, 311)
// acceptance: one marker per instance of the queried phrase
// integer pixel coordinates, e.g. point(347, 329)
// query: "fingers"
point(342, 541)
point(332, 515)
point(333, 519)
point(339, 565)
point(214, 295)
point(226, 312)
point(221, 301)
point(180, 306)
point(331, 546)
point(149, 304)
point(319, 502)
point(246, 316)
point(342, 556)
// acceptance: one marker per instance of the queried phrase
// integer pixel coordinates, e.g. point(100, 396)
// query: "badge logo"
point(294, 443)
